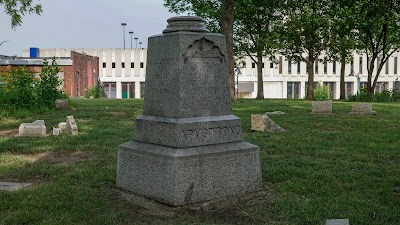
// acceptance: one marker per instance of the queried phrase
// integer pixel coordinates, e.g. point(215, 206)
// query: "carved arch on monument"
point(204, 48)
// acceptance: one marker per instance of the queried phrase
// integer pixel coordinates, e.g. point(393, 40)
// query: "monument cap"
point(185, 23)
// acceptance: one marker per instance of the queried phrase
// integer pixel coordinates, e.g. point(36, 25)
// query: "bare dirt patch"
point(8, 133)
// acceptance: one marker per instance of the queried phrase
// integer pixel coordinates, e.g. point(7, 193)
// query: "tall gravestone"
point(188, 147)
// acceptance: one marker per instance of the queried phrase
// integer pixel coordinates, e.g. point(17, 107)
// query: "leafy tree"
point(304, 33)
point(378, 24)
point(255, 21)
point(18, 8)
point(342, 35)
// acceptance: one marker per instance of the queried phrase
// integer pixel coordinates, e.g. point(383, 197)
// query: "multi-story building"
point(122, 72)
point(289, 80)
point(78, 72)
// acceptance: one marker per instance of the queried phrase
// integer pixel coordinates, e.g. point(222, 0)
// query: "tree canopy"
point(16, 9)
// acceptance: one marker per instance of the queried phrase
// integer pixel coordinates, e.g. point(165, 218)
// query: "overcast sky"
point(84, 24)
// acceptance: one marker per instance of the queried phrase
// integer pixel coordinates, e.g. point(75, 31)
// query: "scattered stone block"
point(61, 103)
point(264, 123)
point(362, 109)
point(322, 107)
point(56, 131)
point(337, 222)
point(275, 113)
point(12, 186)
point(34, 129)
point(71, 125)
point(62, 125)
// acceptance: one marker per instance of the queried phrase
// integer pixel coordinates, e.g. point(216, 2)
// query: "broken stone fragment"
point(264, 123)
point(34, 129)
point(71, 125)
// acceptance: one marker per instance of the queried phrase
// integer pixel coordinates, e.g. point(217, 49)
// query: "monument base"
point(183, 176)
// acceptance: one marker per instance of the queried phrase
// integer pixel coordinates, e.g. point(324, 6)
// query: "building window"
point(325, 67)
point(387, 67)
point(262, 65)
point(123, 65)
point(352, 66)
point(293, 90)
point(141, 89)
point(360, 69)
point(243, 64)
point(298, 67)
point(316, 66)
point(132, 65)
point(280, 64)
point(104, 65)
point(334, 67)
point(289, 67)
point(253, 65)
point(395, 65)
point(349, 89)
point(141, 65)
point(113, 65)
point(331, 86)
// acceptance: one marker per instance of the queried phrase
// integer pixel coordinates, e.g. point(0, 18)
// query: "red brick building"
point(78, 72)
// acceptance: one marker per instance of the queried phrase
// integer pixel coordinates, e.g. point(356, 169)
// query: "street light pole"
point(123, 31)
point(237, 70)
point(131, 32)
point(136, 41)
point(140, 44)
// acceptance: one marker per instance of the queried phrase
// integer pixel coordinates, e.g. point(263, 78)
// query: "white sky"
point(84, 24)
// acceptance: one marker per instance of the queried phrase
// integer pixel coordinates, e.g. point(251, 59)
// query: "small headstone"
point(338, 222)
point(33, 129)
point(12, 186)
point(62, 125)
point(71, 125)
point(362, 108)
point(56, 131)
point(61, 103)
point(322, 107)
point(264, 123)
point(275, 113)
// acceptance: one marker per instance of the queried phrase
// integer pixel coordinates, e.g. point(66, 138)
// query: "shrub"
point(19, 90)
point(321, 92)
point(95, 91)
point(384, 96)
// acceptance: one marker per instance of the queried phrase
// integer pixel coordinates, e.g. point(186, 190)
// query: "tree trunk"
point(370, 90)
point(260, 82)
point(310, 87)
point(342, 83)
point(227, 30)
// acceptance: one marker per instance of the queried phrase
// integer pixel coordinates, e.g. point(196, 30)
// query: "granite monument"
point(188, 146)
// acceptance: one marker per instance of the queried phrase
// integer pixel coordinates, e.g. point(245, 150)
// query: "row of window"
point(123, 65)
point(316, 65)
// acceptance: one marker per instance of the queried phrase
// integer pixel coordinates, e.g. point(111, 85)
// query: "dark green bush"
point(19, 90)
point(384, 96)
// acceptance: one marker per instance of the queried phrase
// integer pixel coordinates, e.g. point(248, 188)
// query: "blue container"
point(34, 52)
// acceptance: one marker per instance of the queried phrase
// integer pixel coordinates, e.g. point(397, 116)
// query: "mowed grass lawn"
point(324, 167)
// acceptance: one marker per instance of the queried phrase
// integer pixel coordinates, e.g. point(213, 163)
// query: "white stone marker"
point(34, 129)
point(71, 125)
point(56, 131)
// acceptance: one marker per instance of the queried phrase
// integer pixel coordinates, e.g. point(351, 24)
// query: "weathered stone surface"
point(188, 147)
point(337, 222)
point(56, 131)
point(187, 132)
point(182, 176)
point(12, 186)
point(275, 113)
point(61, 103)
point(62, 125)
point(322, 107)
point(362, 108)
point(34, 129)
point(71, 125)
point(264, 123)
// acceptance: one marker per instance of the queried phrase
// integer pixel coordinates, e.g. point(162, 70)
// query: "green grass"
point(325, 166)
